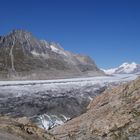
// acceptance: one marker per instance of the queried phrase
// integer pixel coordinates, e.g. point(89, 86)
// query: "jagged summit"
point(19, 34)
point(24, 56)
point(20, 31)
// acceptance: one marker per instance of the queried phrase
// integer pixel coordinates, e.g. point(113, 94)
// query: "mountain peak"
point(125, 68)
point(23, 55)
point(128, 64)
point(124, 64)
point(20, 31)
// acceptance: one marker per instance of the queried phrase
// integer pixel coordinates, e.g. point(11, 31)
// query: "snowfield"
point(52, 102)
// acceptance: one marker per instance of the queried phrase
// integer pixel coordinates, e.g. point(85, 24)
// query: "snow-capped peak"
point(126, 65)
point(125, 68)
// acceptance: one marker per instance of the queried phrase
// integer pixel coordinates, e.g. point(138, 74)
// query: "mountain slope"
point(125, 68)
point(114, 115)
point(24, 56)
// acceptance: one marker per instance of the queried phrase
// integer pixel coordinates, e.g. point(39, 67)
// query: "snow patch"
point(39, 54)
point(109, 71)
point(56, 50)
point(35, 53)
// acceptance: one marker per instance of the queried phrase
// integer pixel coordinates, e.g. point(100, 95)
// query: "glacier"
point(49, 103)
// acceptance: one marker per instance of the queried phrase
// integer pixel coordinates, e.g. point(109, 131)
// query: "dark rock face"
point(22, 56)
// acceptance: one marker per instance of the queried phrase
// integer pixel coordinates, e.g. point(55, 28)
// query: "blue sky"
point(107, 30)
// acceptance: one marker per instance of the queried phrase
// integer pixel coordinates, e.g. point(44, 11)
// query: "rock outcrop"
point(114, 115)
point(21, 129)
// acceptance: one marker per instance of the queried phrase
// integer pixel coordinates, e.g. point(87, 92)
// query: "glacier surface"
point(52, 102)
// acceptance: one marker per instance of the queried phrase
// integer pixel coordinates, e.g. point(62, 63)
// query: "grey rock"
point(22, 56)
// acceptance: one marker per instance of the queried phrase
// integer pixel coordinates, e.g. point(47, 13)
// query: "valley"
point(49, 103)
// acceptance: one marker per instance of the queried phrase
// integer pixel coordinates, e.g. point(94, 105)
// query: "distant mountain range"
point(22, 56)
point(125, 68)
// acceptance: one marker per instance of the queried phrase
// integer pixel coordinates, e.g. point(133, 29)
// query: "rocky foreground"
point(21, 129)
point(114, 115)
